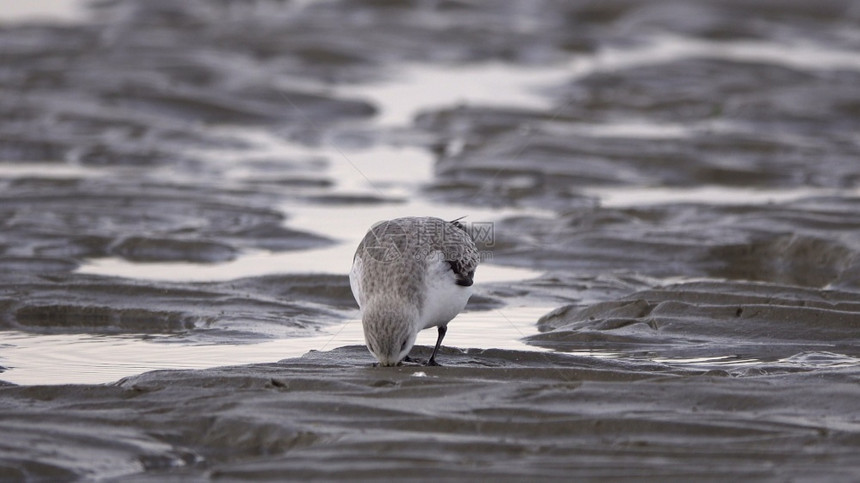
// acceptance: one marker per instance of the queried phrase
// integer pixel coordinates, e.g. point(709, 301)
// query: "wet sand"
point(671, 290)
point(488, 414)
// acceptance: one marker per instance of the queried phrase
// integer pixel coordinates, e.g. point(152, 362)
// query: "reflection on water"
point(255, 264)
point(665, 48)
point(86, 359)
point(419, 87)
point(616, 197)
point(13, 11)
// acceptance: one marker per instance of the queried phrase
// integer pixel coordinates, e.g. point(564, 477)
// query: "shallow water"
point(54, 11)
point(94, 359)
point(671, 289)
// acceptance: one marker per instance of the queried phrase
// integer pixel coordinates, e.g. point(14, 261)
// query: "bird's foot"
point(432, 362)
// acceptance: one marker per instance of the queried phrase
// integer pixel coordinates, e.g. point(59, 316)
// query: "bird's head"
point(389, 331)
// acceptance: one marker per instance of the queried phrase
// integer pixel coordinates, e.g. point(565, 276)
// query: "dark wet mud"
point(488, 414)
point(754, 322)
point(811, 242)
point(241, 309)
point(683, 179)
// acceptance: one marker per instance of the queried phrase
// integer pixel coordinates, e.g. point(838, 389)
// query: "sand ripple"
point(550, 416)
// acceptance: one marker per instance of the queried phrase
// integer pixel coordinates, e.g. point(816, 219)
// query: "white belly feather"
point(443, 298)
point(355, 281)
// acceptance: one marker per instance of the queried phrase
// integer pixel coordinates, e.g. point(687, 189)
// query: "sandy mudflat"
point(488, 414)
point(671, 290)
point(754, 321)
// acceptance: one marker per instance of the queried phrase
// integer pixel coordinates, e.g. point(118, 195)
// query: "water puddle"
point(632, 196)
point(420, 87)
point(53, 11)
point(333, 260)
point(725, 361)
point(346, 224)
point(818, 360)
point(625, 129)
point(87, 359)
point(664, 48)
point(47, 170)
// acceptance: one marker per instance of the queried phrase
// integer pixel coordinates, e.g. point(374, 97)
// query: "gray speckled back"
point(395, 254)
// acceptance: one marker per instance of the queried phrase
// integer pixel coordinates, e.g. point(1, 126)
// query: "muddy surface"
point(679, 183)
point(500, 414)
point(754, 322)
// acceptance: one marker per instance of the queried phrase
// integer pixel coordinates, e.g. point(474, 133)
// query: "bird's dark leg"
point(442, 330)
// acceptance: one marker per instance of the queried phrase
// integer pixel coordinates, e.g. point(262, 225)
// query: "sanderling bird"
point(407, 275)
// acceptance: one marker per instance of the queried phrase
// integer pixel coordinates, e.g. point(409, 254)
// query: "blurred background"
point(182, 184)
